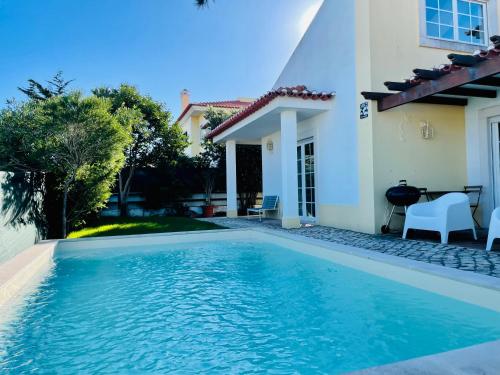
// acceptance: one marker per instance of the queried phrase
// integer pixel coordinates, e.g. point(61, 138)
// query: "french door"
point(306, 180)
point(495, 138)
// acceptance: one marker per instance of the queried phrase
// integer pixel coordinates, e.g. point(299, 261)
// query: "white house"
point(331, 153)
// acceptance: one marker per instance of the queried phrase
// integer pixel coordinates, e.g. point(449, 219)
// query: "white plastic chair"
point(449, 213)
point(494, 231)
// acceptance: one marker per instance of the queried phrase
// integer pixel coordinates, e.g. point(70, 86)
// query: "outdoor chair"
point(449, 213)
point(494, 231)
point(474, 193)
point(269, 203)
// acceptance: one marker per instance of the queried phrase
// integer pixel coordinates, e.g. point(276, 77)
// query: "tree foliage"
point(39, 91)
point(155, 140)
point(35, 196)
point(212, 161)
point(202, 3)
point(213, 154)
point(73, 140)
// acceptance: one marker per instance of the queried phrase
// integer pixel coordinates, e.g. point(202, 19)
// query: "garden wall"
point(194, 202)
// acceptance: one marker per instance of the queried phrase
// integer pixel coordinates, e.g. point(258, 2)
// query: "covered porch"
point(274, 121)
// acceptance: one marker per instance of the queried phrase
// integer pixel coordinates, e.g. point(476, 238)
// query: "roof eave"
point(258, 107)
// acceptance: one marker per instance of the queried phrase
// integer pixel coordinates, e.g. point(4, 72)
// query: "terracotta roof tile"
point(229, 104)
point(293, 92)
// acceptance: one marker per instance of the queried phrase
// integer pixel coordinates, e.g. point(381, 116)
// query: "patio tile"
point(451, 255)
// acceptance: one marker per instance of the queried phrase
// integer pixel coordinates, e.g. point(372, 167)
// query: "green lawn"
point(141, 225)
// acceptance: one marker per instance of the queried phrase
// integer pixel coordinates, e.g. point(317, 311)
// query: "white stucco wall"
point(271, 166)
point(186, 127)
point(324, 60)
point(13, 239)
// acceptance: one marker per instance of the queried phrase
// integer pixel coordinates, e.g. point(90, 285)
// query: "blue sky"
point(235, 48)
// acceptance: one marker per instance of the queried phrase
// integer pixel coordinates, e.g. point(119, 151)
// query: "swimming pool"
point(226, 306)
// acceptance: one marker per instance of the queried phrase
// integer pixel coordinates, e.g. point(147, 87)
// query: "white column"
point(232, 199)
point(289, 189)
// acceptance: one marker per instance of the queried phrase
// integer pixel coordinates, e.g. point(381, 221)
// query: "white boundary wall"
point(13, 239)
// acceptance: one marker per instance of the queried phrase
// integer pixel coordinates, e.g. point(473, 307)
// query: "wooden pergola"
point(450, 84)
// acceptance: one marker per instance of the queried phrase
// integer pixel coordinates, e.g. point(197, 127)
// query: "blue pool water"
point(226, 307)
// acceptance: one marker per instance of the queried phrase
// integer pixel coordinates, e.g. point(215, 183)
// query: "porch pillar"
point(231, 191)
point(289, 189)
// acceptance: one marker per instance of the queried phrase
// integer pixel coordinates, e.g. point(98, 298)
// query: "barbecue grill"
point(400, 196)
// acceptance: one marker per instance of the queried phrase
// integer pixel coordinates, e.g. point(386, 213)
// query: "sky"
point(233, 48)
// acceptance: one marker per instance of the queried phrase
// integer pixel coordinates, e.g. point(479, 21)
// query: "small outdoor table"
point(477, 189)
point(434, 194)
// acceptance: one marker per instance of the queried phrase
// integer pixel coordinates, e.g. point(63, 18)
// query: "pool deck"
point(475, 360)
point(463, 255)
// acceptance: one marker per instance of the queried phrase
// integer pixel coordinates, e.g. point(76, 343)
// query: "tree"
point(54, 87)
point(211, 160)
point(24, 187)
point(248, 160)
point(40, 198)
point(202, 3)
point(155, 140)
point(75, 140)
point(248, 174)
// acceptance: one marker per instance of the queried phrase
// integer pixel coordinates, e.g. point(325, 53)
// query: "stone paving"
point(453, 256)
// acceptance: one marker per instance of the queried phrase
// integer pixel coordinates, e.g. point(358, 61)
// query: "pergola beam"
point(465, 91)
point(399, 86)
point(426, 89)
point(371, 95)
point(488, 81)
point(443, 100)
point(459, 91)
point(428, 74)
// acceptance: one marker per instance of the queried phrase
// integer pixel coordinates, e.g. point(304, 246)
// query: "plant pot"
point(208, 211)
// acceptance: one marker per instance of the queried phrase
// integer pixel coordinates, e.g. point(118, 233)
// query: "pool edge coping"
point(481, 359)
point(20, 271)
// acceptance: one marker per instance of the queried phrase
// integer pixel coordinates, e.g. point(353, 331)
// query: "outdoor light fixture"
point(270, 145)
point(426, 130)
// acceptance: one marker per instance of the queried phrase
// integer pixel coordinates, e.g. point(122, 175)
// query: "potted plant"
point(208, 175)
point(211, 159)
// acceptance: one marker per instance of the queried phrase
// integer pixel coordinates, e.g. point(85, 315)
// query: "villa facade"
point(331, 154)
point(192, 120)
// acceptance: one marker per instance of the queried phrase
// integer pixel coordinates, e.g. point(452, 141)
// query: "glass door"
point(495, 138)
point(306, 180)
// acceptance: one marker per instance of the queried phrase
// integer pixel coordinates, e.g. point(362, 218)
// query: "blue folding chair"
point(270, 203)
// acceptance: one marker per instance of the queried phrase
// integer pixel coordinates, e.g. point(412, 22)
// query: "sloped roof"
point(229, 104)
point(293, 92)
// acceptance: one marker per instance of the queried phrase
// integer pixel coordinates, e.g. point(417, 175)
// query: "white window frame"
point(304, 218)
point(495, 157)
point(490, 27)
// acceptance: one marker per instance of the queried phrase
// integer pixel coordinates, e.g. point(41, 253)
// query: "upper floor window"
point(456, 20)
